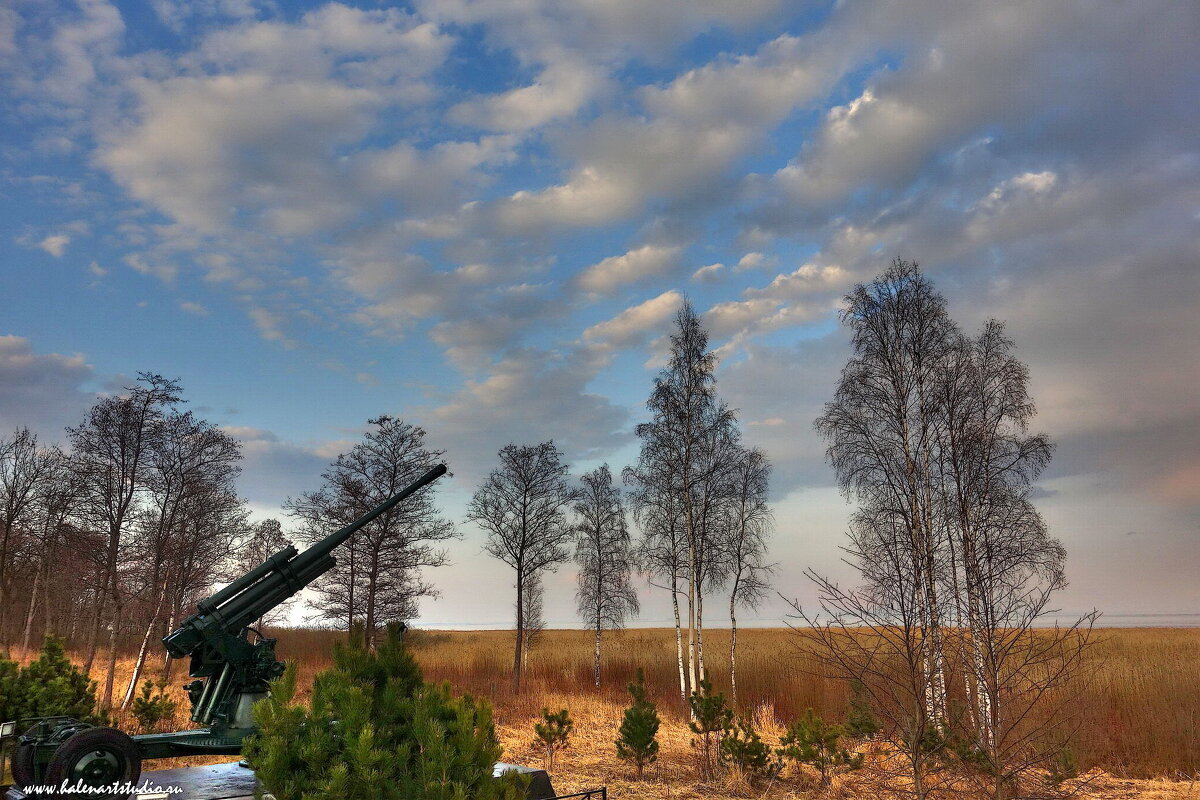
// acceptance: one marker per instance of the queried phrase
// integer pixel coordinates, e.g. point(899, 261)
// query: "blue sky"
point(479, 215)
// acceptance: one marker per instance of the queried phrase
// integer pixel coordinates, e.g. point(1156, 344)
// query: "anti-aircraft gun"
point(230, 674)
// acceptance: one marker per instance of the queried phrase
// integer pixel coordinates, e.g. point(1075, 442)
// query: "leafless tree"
point(747, 525)
point(523, 508)
point(687, 450)
point(882, 429)
point(189, 459)
point(111, 447)
point(928, 431)
point(603, 552)
point(380, 580)
point(534, 616)
point(23, 468)
point(1005, 565)
point(261, 541)
point(57, 494)
point(211, 520)
point(661, 552)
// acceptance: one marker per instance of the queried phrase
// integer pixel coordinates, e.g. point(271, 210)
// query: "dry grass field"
point(1138, 725)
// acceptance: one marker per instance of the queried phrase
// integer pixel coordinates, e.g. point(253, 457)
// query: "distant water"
point(1107, 620)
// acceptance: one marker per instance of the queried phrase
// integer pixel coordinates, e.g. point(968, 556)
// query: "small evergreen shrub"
point(1063, 767)
point(9, 671)
point(153, 705)
point(711, 721)
point(637, 739)
point(48, 686)
point(554, 732)
point(745, 751)
point(861, 722)
point(812, 741)
point(374, 729)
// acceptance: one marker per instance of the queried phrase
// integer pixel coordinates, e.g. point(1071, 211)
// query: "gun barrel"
point(326, 545)
point(271, 583)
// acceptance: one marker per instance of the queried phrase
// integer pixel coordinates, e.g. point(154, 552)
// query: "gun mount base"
point(60, 748)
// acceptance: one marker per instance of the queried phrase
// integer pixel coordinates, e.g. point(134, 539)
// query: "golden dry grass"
point(1139, 710)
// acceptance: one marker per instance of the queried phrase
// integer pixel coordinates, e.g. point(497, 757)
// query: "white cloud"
point(633, 325)
point(561, 89)
point(42, 391)
point(800, 297)
point(527, 397)
point(709, 274)
point(639, 264)
point(205, 150)
point(56, 244)
point(752, 260)
point(386, 50)
point(1027, 185)
point(193, 308)
point(270, 325)
point(246, 434)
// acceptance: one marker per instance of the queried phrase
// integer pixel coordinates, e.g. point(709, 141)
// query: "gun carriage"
point(230, 674)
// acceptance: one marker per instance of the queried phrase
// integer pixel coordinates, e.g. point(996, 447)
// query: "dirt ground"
point(591, 761)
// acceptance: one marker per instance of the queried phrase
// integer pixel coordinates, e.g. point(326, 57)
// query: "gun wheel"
point(23, 771)
point(95, 758)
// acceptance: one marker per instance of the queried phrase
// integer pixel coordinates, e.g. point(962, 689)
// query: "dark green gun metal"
point(230, 673)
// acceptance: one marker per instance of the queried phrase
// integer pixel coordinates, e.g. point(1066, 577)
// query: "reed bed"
point(1138, 715)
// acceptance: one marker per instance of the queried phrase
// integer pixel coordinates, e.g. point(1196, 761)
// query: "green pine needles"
point(374, 730)
point(554, 733)
point(812, 741)
point(637, 739)
point(711, 721)
point(152, 707)
point(861, 722)
point(744, 750)
point(49, 686)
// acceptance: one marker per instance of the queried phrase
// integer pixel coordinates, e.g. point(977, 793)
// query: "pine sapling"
point(861, 722)
point(152, 707)
point(554, 732)
point(812, 741)
point(637, 739)
point(711, 721)
point(372, 729)
point(1062, 768)
point(51, 686)
point(744, 750)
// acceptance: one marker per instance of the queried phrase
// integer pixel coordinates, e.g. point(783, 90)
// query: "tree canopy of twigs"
point(605, 594)
point(928, 433)
point(523, 506)
point(378, 578)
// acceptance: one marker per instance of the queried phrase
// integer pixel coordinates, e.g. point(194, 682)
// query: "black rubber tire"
point(108, 740)
point(22, 762)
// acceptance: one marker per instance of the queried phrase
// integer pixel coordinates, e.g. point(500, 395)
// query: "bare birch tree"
point(111, 447)
point(928, 431)
point(523, 507)
point(687, 450)
point(747, 525)
point(533, 616)
point(189, 459)
point(604, 555)
point(661, 552)
point(1006, 564)
point(23, 469)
